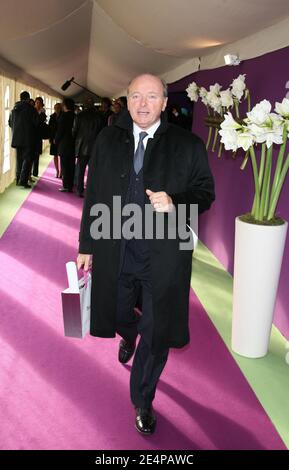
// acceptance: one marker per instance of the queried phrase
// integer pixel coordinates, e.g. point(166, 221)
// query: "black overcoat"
point(176, 162)
point(64, 139)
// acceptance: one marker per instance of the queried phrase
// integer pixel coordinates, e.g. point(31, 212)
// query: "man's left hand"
point(160, 201)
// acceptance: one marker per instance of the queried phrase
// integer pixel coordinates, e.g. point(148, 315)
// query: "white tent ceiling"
point(104, 43)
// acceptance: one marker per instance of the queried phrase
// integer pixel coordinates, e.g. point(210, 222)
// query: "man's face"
point(146, 100)
point(57, 108)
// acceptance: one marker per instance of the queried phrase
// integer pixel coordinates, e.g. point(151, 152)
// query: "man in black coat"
point(24, 122)
point(154, 165)
point(87, 125)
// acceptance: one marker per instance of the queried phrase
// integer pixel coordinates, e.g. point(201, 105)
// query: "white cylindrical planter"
point(257, 264)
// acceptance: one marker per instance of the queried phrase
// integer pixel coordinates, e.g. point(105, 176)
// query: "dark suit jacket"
point(64, 140)
point(24, 121)
point(87, 126)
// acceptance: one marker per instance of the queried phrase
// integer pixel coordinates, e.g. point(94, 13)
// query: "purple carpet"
point(63, 393)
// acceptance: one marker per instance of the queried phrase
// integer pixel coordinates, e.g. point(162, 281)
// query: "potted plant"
point(260, 234)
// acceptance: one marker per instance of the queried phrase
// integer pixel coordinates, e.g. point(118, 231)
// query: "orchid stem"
point(255, 210)
point(209, 138)
point(215, 139)
point(279, 186)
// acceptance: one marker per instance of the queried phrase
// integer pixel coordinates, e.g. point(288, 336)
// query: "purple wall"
point(266, 77)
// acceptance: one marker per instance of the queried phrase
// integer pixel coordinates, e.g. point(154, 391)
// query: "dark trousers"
point(146, 367)
point(35, 165)
point(67, 168)
point(82, 163)
point(23, 164)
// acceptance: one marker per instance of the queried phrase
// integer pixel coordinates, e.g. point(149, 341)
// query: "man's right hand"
point(84, 262)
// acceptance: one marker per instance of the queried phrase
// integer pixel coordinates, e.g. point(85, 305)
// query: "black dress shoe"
point(125, 351)
point(63, 190)
point(145, 420)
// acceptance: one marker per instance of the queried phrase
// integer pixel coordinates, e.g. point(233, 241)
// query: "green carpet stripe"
point(268, 376)
point(14, 196)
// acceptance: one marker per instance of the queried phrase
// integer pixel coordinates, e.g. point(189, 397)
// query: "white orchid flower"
point(215, 88)
point(238, 86)
point(270, 131)
point(268, 136)
point(260, 114)
point(229, 122)
point(237, 138)
point(226, 98)
point(229, 137)
point(214, 101)
point(192, 91)
point(203, 95)
point(234, 135)
point(245, 139)
point(283, 108)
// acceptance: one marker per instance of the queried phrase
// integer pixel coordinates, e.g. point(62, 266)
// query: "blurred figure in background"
point(64, 142)
point(105, 109)
point(23, 121)
point(122, 101)
point(179, 117)
point(53, 123)
point(77, 109)
point(87, 125)
point(39, 106)
point(116, 110)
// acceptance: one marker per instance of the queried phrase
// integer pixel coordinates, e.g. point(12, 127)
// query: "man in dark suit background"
point(87, 124)
point(24, 123)
point(145, 160)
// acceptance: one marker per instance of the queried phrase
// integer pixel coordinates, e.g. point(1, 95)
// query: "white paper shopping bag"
point(76, 303)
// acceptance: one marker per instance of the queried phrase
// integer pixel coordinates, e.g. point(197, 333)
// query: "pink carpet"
point(62, 393)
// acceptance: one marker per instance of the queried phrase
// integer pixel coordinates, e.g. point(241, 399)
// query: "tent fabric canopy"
point(104, 43)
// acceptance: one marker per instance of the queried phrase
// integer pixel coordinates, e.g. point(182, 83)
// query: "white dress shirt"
point(150, 131)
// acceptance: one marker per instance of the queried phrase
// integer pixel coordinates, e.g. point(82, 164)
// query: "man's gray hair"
point(163, 82)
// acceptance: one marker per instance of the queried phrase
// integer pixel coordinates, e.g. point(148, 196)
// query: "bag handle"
point(72, 276)
point(86, 275)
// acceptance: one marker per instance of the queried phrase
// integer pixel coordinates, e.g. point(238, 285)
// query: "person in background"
point(176, 116)
point(39, 106)
point(122, 101)
point(64, 142)
point(116, 110)
point(105, 109)
point(24, 121)
point(77, 109)
point(87, 125)
point(53, 122)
